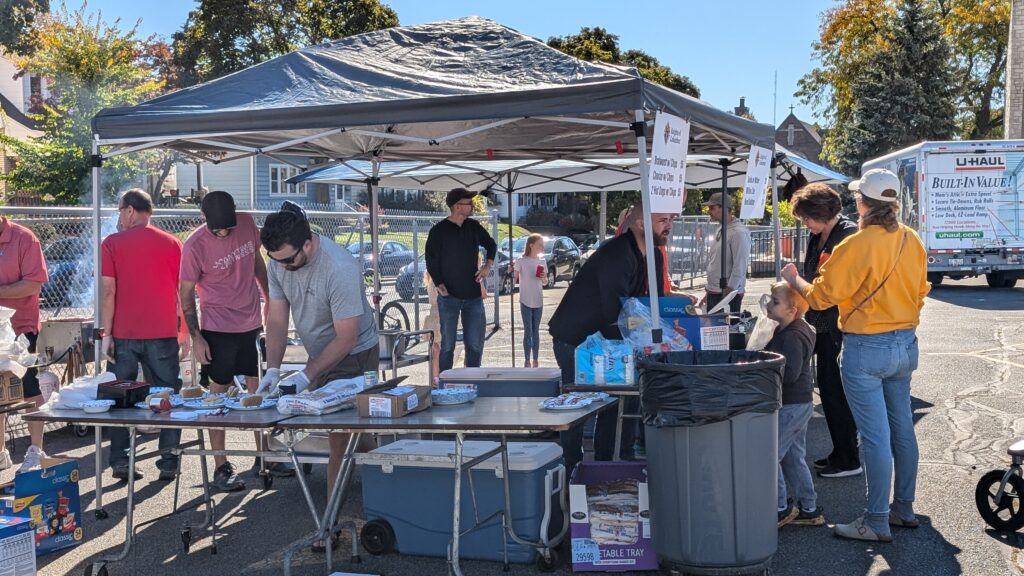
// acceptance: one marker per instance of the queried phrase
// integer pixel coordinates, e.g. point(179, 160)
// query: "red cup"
point(540, 271)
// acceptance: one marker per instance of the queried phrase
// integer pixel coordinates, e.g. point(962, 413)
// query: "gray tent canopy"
point(468, 89)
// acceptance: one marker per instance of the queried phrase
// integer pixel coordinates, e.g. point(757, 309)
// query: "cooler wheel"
point(82, 431)
point(186, 539)
point(548, 563)
point(99, 569)
point(378, 537)
point(1005, 514)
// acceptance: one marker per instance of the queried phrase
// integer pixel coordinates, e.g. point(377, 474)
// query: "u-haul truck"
point(965, 199)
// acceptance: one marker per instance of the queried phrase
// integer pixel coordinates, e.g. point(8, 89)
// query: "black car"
point(562, 255)
point(70, 269)
point(393, 256)
point(410, 285)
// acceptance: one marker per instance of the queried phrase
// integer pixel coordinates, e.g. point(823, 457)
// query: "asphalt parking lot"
point(967, 398)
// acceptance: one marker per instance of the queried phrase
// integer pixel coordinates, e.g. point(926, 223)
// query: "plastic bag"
point(605, 362)
point(334, 396)
point(635, 322)
point(82, 389)
point(14, 355)
point(697, 388)
point(764, 328)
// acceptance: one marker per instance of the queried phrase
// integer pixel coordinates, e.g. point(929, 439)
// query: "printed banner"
point(758, 180)
point(666, 175)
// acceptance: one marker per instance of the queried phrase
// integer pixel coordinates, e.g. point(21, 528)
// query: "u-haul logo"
point(977, 163)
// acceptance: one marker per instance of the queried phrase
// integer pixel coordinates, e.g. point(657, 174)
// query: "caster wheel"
point(1007, 513)
point(186, 539)
point(307, 468)
point(377, 537)
point(92, 570)
point(82, 431)
point(549, 563)
point(101, 514)
point(268, 481)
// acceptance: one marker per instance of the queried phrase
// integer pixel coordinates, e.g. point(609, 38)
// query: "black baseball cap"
point(219, 209)
point(457, 194)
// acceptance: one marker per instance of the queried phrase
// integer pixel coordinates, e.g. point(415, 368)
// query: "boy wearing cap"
point(221, 261)
point(733, 277)
point(452, 254)
point(878, 279)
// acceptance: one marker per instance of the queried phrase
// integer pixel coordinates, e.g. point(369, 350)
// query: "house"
point(521, 203)
point(799, 137)
point(20, 95)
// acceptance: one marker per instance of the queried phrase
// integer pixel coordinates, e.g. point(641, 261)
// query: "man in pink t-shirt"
point(222, 261)
point(22, 275)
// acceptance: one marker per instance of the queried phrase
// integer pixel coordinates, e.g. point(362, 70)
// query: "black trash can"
point(711, 420)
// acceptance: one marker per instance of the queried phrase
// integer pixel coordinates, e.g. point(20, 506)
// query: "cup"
point(540, 271)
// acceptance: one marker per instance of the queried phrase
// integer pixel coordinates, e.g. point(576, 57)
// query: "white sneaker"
point(5, 459)
point(31, 461)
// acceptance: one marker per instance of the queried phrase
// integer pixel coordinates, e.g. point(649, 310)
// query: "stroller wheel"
point(1006, 513)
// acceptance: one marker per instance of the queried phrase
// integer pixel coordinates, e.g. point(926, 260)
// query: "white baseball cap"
point(878, 184)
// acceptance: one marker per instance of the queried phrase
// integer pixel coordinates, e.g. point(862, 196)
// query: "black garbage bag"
point(702, 387)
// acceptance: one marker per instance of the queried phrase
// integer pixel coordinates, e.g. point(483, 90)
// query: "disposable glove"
point(269, 381)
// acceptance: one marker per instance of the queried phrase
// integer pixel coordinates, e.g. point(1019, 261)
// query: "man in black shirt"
point(592, 304)
point(452, 255)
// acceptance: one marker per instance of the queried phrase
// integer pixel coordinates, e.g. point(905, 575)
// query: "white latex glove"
point(106, 347)
point(269, 381)
point(298, 379)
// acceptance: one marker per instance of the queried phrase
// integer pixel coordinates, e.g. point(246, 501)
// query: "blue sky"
point(728, 48)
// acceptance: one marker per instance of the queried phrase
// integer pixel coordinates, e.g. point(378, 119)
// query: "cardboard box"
point(49, 499)
point(703, 331)
point(610, 534)
point(17, 554)
point(390, 401)
point(11, 388)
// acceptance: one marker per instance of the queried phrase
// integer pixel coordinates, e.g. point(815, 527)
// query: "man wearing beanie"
point(221, 261)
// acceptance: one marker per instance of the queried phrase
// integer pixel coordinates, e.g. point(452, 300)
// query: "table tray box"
point(591, 550)
point(409, 485)
point(124, 393)
point(11, 388)
point(390, 401)
point(531, 382)
point(49, 498)
point(17, 553)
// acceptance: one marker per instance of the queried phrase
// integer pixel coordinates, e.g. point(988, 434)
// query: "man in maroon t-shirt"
point(140, 316)
point(22, 275)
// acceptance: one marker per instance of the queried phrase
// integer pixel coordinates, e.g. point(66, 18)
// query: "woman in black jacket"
point(817, 206)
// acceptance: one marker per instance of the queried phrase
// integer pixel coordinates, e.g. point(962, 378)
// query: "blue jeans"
point(876, 377)
point(159, 359)
point(531, 331)
point(473, 320)
point(793, 419)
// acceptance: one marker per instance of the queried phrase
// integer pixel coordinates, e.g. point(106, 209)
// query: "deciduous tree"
point(16, 18)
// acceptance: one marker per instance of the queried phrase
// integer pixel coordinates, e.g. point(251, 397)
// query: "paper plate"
point(200, 404)
point(235, 404)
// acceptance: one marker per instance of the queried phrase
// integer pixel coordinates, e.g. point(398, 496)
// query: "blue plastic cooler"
point(409, 485)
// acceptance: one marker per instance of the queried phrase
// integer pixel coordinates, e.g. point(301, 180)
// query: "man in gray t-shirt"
point(322, 287)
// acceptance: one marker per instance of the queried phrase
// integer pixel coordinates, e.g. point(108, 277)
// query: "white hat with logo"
point(878, 184)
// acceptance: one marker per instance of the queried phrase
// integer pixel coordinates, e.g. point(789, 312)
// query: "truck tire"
point(1000, 280)
point(935, 278)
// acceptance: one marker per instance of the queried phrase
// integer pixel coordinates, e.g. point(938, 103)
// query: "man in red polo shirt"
point(22, 274)
point(140, 316)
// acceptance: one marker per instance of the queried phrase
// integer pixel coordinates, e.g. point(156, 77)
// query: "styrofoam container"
point(410, 484)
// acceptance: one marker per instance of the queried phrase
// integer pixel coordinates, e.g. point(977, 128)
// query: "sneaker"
point(821, 463)
point(121, 473)
point(859, 530)
point(5, 459)
point(813, 518)
point(31, 461)
point(831, 471)
point(225, 479)
point(787, 515)
point(167, 475)
point(281, 470)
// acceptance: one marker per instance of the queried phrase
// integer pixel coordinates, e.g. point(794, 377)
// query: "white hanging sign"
point(666, 174)
point(755, 187)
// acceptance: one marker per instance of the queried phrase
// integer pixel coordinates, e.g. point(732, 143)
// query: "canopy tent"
point(466, 89)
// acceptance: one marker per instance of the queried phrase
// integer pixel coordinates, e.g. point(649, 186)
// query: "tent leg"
point(496, 274)
point(776, 226)
point(371, 194)
point(511, 257)
point(639, 128)
point(726, 212)
point(602, 227)
point(96, 217)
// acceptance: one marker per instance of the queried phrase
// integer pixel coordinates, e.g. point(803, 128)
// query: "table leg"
point(303, 483)
point(618, 429)
point(129, 516)
point(453, 557)
point(100, 513)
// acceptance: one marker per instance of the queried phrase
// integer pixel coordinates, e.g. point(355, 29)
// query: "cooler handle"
point(550, 490)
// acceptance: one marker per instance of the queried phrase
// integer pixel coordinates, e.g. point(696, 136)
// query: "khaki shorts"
point(355, 364)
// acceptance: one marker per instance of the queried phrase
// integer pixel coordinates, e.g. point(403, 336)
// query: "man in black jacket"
point(452, 254)
point(592, 304)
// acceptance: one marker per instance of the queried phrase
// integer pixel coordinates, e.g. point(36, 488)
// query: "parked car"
point(411, 285)
point(586, 253)
point(393, 256)
point(561, 253)
point(70, 269)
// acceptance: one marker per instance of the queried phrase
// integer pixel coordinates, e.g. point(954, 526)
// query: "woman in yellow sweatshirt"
point(878, 279)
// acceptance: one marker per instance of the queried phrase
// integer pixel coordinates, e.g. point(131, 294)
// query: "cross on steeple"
point(790, 108)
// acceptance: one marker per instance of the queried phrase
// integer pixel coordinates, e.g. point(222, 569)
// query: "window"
point(279, 173)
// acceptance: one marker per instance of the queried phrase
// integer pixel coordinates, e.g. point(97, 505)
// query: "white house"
point(19, 96)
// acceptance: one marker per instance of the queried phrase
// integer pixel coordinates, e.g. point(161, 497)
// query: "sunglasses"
point(286, 261)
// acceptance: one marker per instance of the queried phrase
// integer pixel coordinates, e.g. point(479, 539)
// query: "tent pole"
point(776, 222)
point(726, 212)
point(97, 273)
point(371, 194)
point(496, 274)
point(639, 128)
point(511, 260)
point(602, 227)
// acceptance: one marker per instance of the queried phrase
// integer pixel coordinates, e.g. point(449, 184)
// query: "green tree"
point(224, 36)
point(16, 18)
point(92, 65)
point(904, 94)
point(598, 45)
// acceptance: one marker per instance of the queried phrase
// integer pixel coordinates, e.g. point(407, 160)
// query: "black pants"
point(604, 434)
point(735, 305)
point(841, 426)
